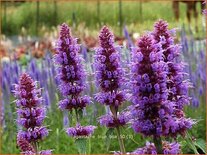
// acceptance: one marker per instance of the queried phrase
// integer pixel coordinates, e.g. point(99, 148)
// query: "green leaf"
point(81, 145)
point(109, 132)
point(200, 143)
point(190, 143)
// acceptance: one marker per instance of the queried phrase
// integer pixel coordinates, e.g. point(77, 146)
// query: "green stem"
point(76, 113)
point(158, 144)
point(35, 147)
point(114, 111)
point(89, 147)
point(121, 142)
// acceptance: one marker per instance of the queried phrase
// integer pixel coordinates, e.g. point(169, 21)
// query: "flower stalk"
point(158, 144)
point(71, 76)
point(109, 78)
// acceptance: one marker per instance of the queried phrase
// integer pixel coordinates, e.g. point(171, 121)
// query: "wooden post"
point(74, 19)
point(98, 12)
point(140, 10)
point(5, 13)
point(37, 17)
point(55, 13)
point(120, 16)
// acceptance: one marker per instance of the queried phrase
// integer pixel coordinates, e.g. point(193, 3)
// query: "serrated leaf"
point(109, 132)
point(81, 145)
point(200, 143)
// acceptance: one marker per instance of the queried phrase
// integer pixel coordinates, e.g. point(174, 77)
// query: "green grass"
point(86, 13)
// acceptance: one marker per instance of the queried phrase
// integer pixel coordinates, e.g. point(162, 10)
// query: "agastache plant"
point(31, 114)
point(71, 76)
point(109, 78)
point(159, 88)
point(149, 94)
point(178, 82)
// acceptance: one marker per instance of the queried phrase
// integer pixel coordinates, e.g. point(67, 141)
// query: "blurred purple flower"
point(127, 36)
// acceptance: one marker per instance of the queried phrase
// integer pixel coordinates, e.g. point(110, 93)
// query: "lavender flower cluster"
point(31, 115)
point(194, 54)
point(109, 78)
point(71, 76)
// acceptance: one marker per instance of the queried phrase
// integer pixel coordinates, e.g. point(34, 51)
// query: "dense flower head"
point(109, 75)
point(70, 71)
point(177, 84)
point(80, 131)
point(149, 85)
point(30, 111)
point(153, 113)
point(31, 114)
point(111, 121)
point(168, 148)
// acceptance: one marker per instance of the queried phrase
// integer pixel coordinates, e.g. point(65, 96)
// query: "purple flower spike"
point(159, 85)
point(31, 114)
point(109, 75)
point(71, 76)
point(71, 73)
point(80, 131)
point(149, 94)
point(178, 83)
point(109, 78)
point(168, 148)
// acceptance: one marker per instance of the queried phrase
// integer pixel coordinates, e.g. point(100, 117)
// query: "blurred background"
point(28, 33)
